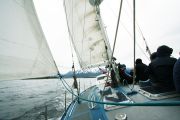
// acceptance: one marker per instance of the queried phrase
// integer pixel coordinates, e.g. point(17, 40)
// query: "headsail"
point(87, 32)
point(24, 52)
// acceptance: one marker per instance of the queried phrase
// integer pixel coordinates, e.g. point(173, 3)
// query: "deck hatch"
point(158, 93)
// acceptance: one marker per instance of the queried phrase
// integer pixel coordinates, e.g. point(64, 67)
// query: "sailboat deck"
point(82, 111)
point(146, 112)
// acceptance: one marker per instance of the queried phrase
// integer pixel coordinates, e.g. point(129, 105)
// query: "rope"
point(140, 31)
point(117, 29)
point(71, 90)
point(147, 48)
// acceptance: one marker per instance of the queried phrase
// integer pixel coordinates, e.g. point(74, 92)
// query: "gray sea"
point(28, 99)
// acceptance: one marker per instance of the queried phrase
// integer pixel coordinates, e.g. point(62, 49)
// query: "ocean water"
point(28, 99)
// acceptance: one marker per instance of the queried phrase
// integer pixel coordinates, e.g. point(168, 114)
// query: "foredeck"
point(82, 111)
point(146, 112)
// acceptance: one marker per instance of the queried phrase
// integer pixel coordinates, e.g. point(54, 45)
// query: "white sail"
point(24, 52)
point(86, 32)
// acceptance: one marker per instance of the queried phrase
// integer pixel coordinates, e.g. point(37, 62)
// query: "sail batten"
point(86, 33)
point(24, 50)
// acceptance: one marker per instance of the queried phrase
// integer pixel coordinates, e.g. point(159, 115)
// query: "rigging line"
point(61, 78)
point(136, 41)
point(75, 84)
point(117, 29)
point(71, 36)
point(111, 59)
point(147, 47)
point(130, 34)
point(67, 87)
point(141, 49)
point(70, 91)
point(70, 27)
point(71, 33)
point(140, 31)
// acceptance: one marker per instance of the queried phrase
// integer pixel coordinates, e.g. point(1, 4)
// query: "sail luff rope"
point(73, 67)
point(71, 36)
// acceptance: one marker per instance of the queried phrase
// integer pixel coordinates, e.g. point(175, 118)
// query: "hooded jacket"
point(161, 68)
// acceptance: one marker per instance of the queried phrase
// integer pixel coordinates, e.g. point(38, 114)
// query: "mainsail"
point(24, 52)
point(86, 32)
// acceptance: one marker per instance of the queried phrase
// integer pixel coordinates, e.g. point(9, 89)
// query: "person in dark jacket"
point(161, 68)
point(153, 56)
point(176, 75)
point(140, 71)
point(114, 82)
point(148, 69)
point(123, 74)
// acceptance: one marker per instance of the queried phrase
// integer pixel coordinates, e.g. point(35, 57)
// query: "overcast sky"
point(159, 21)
